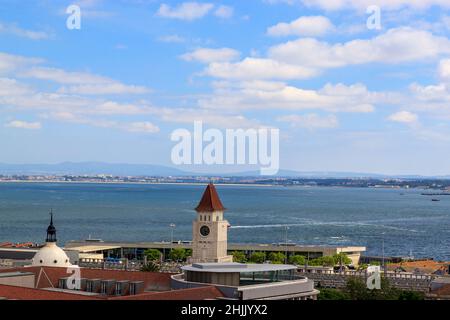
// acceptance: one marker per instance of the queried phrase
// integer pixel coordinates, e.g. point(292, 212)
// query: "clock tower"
point(209, 230)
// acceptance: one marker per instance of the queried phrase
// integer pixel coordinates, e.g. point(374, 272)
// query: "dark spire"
point(210, 200)
point(51, 230)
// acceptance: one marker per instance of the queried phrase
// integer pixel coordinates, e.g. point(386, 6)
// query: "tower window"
point(200, 217)
point(55, 261)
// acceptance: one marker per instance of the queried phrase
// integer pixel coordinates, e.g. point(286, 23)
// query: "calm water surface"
point(331, 216)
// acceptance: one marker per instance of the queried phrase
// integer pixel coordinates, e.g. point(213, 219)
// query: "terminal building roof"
point(237, 267)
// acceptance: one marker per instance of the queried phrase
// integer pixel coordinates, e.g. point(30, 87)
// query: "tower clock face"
point(204, 231)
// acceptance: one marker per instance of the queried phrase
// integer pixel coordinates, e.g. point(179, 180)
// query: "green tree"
point(177, 254)
point(315, 262)
point(362, 267)
point(151, 267)
point(328, 261)
point(342, 258)
point(258, 257)
point(277, 257)
point(153, 254)
point(411, 295)
point(332, 294)
point(297, 259)
point(239, 256)
point(356, 289)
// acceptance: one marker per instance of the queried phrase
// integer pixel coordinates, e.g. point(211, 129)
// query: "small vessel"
point(93, 239)
point(435, 200)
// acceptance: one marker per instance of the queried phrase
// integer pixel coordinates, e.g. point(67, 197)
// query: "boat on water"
point(90, 239)
point(435, 200)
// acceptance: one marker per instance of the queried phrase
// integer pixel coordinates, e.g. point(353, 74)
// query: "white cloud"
point(136, 127)
point(444, 69)
point(224, 12)
point(395, 46)
point(112, 107)
point(304, 26)
point(17, 31)
point(363, 4)
point(83, 83)
point(10, 63)
point(69, 103)
point(64, 77)
point(172, 38)
point(144, 127)
point(310, 121)
point(207, 55)
point(433, 100)
point(259, 95)
point(308, 57)
point(254, 68)
point(10, 87)
point(24, 125)
point(56, 102)
point(216, 118)
point(403, 117)
point(185, 11)
point(105, 89)
point(290, 2)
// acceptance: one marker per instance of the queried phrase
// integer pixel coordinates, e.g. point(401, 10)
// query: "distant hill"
point(312, 174)
point(90, 168)
point(124, 169)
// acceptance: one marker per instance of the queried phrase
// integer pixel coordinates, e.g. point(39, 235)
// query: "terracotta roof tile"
point(210, 200)
point(159, 283)
point(154, 281)
point(21, 293)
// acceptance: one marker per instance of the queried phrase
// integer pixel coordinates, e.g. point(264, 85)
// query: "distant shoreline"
point(203, 183)
point(145, 183)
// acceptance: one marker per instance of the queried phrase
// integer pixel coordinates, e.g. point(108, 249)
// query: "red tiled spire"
point(210, 200)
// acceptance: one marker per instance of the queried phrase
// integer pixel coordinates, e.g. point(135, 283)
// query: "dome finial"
point(51, 230)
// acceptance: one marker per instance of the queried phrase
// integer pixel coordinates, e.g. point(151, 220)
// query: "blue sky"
point(345, 97)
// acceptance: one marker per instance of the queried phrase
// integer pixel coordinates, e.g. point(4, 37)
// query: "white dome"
point(51, 256)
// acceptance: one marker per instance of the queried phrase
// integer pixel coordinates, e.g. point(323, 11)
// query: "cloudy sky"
point(344, 96)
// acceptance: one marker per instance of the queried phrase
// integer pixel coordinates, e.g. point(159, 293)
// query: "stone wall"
point(401, 281)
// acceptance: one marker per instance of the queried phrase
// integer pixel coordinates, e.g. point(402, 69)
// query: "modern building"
point(248, 281)
point(135, 250)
